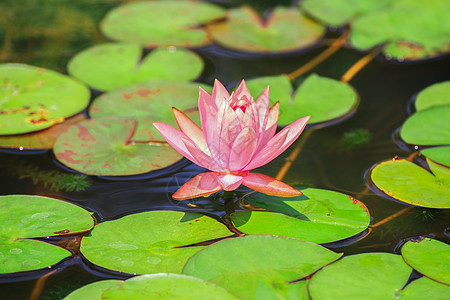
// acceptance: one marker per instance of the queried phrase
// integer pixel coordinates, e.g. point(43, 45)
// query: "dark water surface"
point(385, 91)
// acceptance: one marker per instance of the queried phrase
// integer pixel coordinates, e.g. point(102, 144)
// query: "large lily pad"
point(429, 257)
point(148, 242)
point(42, 139)
point(361, 276)
point(105, 147)
point(258, 267)
point(434, 95)
point(412, 184)
point(33, 98)
point(167, 286)
point(410, 29)
point(153, 23)
point(284, 30)
point(428, 127)
point(440, 155)
point(149, 102)
point(93, 291)
point(23, 217)
point(417, 289)
point(318, 216)
point(339, 12)
point(325, 99)
point(110, 66)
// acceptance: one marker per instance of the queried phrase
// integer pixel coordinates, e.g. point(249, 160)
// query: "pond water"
point(326, 161)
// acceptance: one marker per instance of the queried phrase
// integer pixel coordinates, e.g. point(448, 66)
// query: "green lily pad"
point(428, 127)
point(419, 28)
point(93, 291)
point(149, 102)
point(167, 286)
point(33, 98)
point(417, 289)
point(434, 95)
point(361, 276)
point(284, 30)
point(440, 155)
point(156, 23)
point(339, 12)
point(149, 242)
point(325, 99)
point(412, 184)
point(42, 139)
point(105, 147)
point(110, 66)
point(429, 257)
point(260, 266)
point(318, 216)
point(23, 217)
point(410, 29)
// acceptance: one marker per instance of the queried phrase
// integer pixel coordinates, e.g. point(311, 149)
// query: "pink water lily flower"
point(238, 136)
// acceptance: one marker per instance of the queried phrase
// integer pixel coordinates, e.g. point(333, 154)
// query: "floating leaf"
point(105, 147)
point(429, 257)
point(434, 95)
point(339, 12)
point(349, 277)
point(325, 99)
point(412, 184)
point(284, 30)
point(43, 139)
point(438, 154)
point(428, 127)
point(167, 286)
point(149, 102)
point(319, 216)
point(161, 23)
point(93, 291)
point(110, 66)
point(148, 242)
point(424, 286)
point(23, 217)
point(260, 266)
point(33, 98)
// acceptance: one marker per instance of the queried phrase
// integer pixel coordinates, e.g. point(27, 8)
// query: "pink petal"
point(189, 128)
point(230, 182)
point(242, 149)
point(273, 147)
point(263, 104)
point(208, 116)
point(174, 137)
point(270, 127)
point(242, 91)
point(203, 159)
point(219, 93)
point(251, 118)
point(270, 186)
point(204, 184)
point(227, 130)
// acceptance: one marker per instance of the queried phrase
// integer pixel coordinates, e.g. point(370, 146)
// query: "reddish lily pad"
point(319, 216)
point(429, 257)
point(160, 23)
point(33, 98)
point(149, 242)
point(105, 147)
point(23, 217)
point(412, 184)
point(149, 102)
point(284, 30)
point(325, 99)
point(348, 277)
point(259, 266)
point(110, 66)
point(43, 139)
